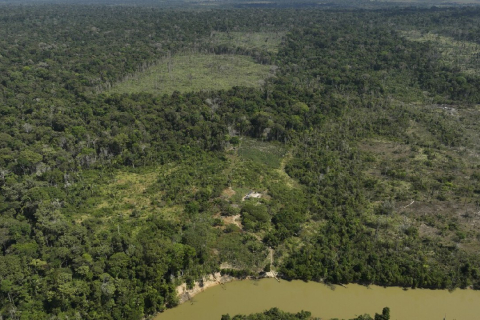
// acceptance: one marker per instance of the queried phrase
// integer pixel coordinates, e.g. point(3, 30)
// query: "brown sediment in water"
point(245, 297)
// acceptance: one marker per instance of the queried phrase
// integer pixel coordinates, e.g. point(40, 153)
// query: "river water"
point(247, 296)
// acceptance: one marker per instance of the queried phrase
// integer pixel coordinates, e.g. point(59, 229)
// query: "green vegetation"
point(273, 313)
point(262, 152)
point(464, 55)
point(196, 72)
point(357, 161)
point(276, 314)
point(266, 41)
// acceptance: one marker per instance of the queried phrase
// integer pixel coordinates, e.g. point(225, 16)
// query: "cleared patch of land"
point(461, 54)
point(195, 73)
point(427, 189)
point(265, 153)
point(128, 196)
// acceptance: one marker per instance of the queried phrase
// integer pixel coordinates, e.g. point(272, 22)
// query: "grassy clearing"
point(265, 41)
point(128, 196)
point(258, 166)
point(262, 152)
point(126, 193)
point(462, 54)
point(194, 73)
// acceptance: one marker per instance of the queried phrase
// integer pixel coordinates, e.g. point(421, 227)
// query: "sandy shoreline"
point(209, 281)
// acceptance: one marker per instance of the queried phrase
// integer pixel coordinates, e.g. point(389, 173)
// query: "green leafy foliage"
point(275, 313)
point(362, 150)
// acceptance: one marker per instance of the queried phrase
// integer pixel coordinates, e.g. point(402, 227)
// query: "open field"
point(262, 152)
point(194, 73)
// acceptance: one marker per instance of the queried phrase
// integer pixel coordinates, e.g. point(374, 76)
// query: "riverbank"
point(210, 281)
point(246, 297)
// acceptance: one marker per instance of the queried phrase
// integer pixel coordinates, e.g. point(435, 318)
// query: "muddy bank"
point(212, 280)
point(209, 281)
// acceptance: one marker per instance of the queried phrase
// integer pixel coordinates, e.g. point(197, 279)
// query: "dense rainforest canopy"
point(352, 157)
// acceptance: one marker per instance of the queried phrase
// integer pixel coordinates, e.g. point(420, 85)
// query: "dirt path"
point(236, 220)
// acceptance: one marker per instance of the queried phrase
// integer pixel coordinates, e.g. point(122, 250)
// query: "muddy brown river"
point(245, 297)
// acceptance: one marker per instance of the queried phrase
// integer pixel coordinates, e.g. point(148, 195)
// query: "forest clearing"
point(145, 148)
point(196, 72)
